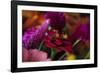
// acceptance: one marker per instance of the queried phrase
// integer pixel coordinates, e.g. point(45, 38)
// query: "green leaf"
point(41, 45)
point(87, 55)
point(76, 42)
point(53, 53)
point(62, 56)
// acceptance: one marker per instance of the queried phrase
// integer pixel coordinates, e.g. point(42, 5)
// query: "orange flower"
point(32, 18)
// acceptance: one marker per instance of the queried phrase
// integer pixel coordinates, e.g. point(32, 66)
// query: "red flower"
point(57, 43)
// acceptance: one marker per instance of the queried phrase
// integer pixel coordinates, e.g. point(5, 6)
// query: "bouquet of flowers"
point(51, 36)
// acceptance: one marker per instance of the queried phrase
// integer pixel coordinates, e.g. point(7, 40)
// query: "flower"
point(25, 55)
point(82, 32)
point(32, 18)
point(73, 21)
point(32, 38)
point(71, 57)
point(82, 38)
point(34, 55)
point(57, 19)
point(51, 41)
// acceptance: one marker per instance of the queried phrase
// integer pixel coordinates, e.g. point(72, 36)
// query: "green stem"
point(66, 53)
point(41, 45)
point(76, 42)
point(87, 55)
point(52, 53)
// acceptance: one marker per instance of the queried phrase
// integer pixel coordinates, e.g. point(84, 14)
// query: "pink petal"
point(36, 55)
point(25, 55)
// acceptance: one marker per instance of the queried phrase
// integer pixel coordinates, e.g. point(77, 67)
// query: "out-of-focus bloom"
point(73, 21)
point(82, 35)
point(57, 20)
point(34, 55)
point(32, 38)
point(82, 32)
point(85, 18)
point(51, 41)
point(71, 57)
point(25, 55)
point(65, 36)
point(32, 18)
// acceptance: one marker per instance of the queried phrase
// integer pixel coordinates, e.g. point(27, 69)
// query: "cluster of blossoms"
point(52, 41)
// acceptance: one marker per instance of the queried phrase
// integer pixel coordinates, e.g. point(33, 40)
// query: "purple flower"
point(57, 19)
point(82, 32)
point(33, 36)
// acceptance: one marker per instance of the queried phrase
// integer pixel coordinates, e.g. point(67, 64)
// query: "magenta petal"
point(57, 19)
point(32, 38)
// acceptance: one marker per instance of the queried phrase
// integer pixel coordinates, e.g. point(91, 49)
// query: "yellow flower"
point(65, 36)
point(71, 57)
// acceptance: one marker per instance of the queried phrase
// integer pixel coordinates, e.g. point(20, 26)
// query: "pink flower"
point(34, 55)
point(25, 55)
